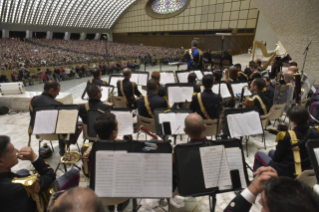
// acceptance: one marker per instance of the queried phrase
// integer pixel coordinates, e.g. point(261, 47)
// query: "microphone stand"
point(305, 53)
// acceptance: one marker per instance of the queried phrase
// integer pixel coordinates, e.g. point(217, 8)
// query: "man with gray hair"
point(194, 57)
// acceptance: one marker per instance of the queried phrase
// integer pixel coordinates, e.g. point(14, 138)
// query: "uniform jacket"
point(161, 90)
point(128, 91)
point(154, 100)
point(255, 75)
point(96, 81)
point(197, 62)
point(253, 101)
point(270, 92)
point(93, 104)
point(238, 204)
point(43, 100)
point(210, 102)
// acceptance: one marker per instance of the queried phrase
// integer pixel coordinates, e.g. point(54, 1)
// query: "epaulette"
point(264, 90)
point(200, 52)
point(317, 128)
point(238, 74)
point(186, 51)
point(280, 136)
point(194, 94)
point(250, 102)
point(105, 83)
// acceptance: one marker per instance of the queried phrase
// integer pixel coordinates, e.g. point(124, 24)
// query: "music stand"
point(143, 73)
point(189, 85)
point(110, 87)
point(167, 72)
point(130, 147)
point(114, 78)
point(197, 72)
point(175, 64)
point(189, 172)
point(312, 145)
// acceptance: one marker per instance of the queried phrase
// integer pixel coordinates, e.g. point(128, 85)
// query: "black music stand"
point(187, 71)
point(312, 144)
point(130, 147)
point(178, 85)
point(121, 77)
point(175, 64)
point(102, 86)
point(189, 172)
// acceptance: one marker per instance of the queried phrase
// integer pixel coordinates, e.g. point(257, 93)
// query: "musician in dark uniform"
point(151, 101)
point(269, 91)
point(128, 89)
point(194, 57)
point(258, 99)
point(192, 80)
point(255, 72)
point(232, 78)
point(248, 71)
point(275, 68)
point(206, 103)
point(195, 127)
point(156, 75)
point(241, 76)
point(96, 78)
point(13, 194)
point(95, 94)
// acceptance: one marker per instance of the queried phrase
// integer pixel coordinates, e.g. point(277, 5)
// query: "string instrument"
point(298, 88)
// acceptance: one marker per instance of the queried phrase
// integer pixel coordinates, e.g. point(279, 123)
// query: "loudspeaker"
point(4, 110)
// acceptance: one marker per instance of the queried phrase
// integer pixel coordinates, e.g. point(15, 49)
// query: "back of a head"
point(127, 72)
point(260, 83)
point(104, 125)
point(285, 195)
point(4, 140)
point(298, 114)
point(267, 79)
point(51, 84)
point(78, 199)
point(208, 81)
point(152, 85)
point(258, 62)
point(294, 69)
point(232, 73)
point(217, 76)
point(191, 77)
point(251, 62)
point(293, 64)
point(96, 72)
point(93, 90)
point(238, 65)
point(194, 125)
point(253, 65)
point(194, 43)
point(289, 75)
point(156, 75)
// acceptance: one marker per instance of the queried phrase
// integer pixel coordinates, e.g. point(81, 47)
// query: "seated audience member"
point(206, 103)
point(79, 199)
point(156, 75)
point(282, 159)
point(151, 101)
point(192, 80)
point(277, 194)
point(258, 98)
point(194, 127)
point(95, 94)
point(14, 76)
point(14, 196)
point(57, 74)
point(96, 78)
point(242, 77)
point(79, 71)
point(128, 89)
point(270, 90)
point(49, 74)
point(255, 72)
point(25, 75)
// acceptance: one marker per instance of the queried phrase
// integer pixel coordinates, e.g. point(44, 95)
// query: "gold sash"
point(202, 108)
point(296, 152)
point(122, 91)
point(148, 107)
point(263, 106)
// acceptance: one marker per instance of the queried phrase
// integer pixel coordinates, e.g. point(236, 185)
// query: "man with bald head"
point(294, 69)
point(194, 127)
point(128, 89)
point(79, 199)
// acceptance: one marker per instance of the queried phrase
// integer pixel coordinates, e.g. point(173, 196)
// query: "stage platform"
point(21, 102)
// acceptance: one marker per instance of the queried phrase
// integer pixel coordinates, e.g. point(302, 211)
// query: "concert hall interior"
point(159, 105)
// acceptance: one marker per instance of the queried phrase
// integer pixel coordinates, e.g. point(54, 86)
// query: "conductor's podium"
point(21, 102)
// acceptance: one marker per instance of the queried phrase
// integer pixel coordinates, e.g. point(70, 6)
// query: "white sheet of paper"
point(114, 80)
point(224, 180)
point(182, 77)
point(134, 78)
point(167, 78)
point(243, 124)
point(122, 174)
point(142, 79)
point(211, 161)
point(179, 123)
point(199, 74)
point(86, 96)
point(235, 161)
point(237, 88)
point(125, 122)
point(105, 93)
point(175, 95)
point(67, 121)
point(207, 73)
point(45, 122)
point(316, 150)
point(224, 92)
point(187, 93)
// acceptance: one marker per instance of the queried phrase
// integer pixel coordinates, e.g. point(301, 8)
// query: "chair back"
point(276, 111)
point(119, 102)
point(304, 102)
point(264, 120)
point(308, 177)
point(85, 133)
point(148, 123)
point(211, 127)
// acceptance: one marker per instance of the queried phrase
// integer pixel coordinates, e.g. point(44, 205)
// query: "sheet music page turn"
point(45, 122)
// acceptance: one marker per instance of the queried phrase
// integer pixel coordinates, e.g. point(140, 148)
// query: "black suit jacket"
point(270, 92)
point(128, 91)
point(210, 102)
point(258, 104)
point(161, 90)
point(255, 75)
point(93, 104)
point(155, 102)
point(43, 100)
point(238, 204)
point(96, 81)
point(14, 196)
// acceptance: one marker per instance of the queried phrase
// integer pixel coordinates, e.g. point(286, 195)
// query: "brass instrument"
point(70, 157)
point(263, 48)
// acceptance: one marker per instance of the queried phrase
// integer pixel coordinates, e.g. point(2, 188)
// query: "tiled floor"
point(15, 125)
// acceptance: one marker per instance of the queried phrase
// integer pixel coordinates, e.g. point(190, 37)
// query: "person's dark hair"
point(4, 140)
point(93, 91)
point(251, 62)
point(299, 115)
point(237, 65)
point(285, 195)
point(258, 62)
point(232, 73)
point(104, 125)
point(127, 72)
point(267, 79)
point(253, 65)
point(191, 78)
point(208, 81)
point(260, 83)
point(51, 84)
point(293, 64)
point(96, 72)
point(194, 43)
point(217, 76)
point(152, 85)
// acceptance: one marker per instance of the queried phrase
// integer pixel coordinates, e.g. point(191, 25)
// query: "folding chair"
point(264, 122)
point(226, 63)
point(211, 127)
point(308, 177)
point(119, 102)
point(276, 112)
point(216, 63)
point(148, 123)
point(85, 134)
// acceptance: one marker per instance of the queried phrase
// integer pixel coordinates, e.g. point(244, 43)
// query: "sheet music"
point(125, 122)
point(167, 78)
point(134, 78)
point(114, 80)
point(179, 123)
point(142, 79)
point(207, 73)
point(86, 96)
point(224, 92)
point(175, 95)
point(182, 77)
point(243, 124)
point(316, 151)
point(211, 157)
point(67, 121)
point(235, 161)
point(199, 74)
point(45, 122)
point(168, 117)
point(187, 93)
point(237, 88)
point(224, 179)
point(122, 174)
point(105, 93)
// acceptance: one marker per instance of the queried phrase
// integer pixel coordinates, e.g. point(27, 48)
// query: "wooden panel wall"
point(237, 44)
